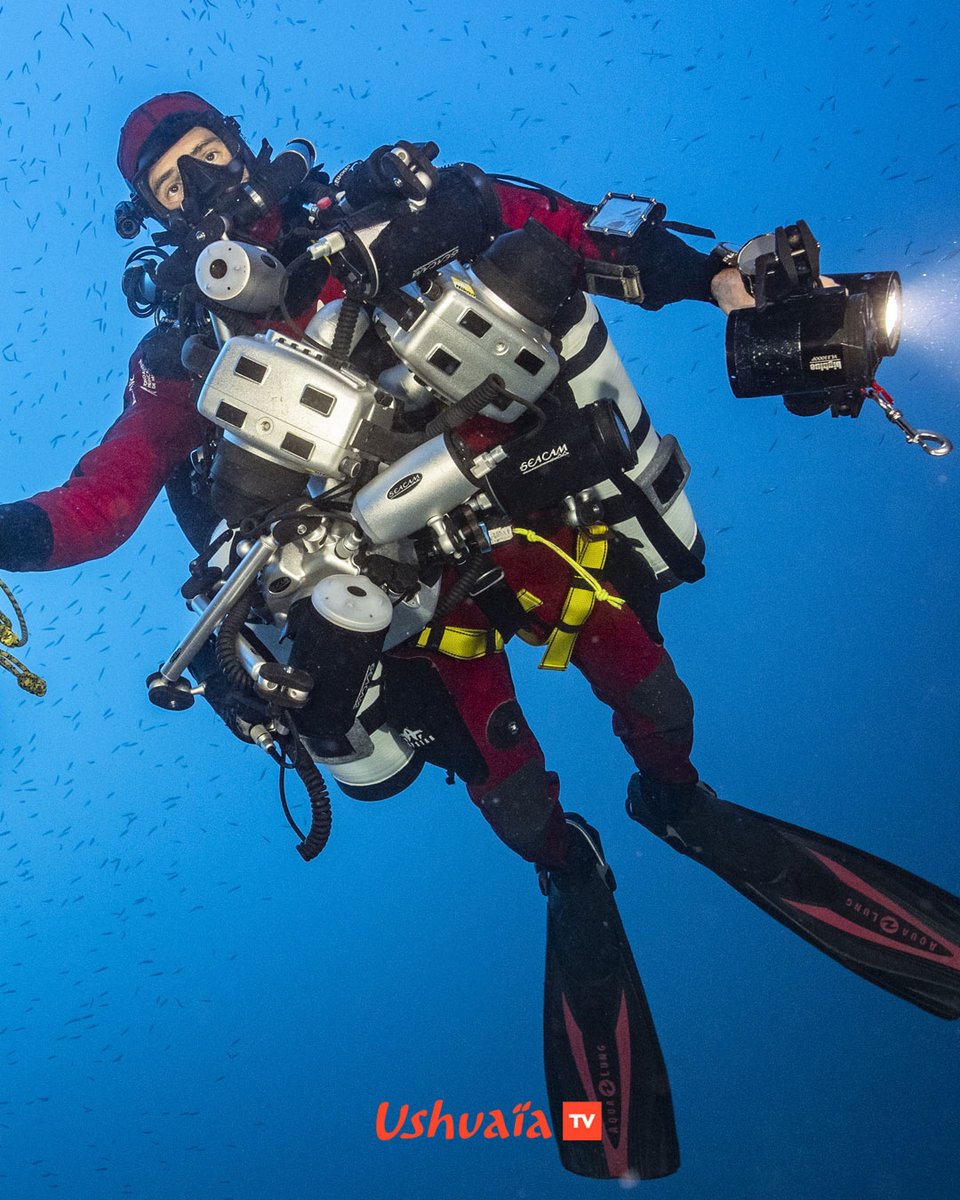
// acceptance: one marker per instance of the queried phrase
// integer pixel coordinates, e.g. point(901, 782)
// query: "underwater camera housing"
point(287, 415)
point(818, 346)
point(491, 318)
point(394, 240)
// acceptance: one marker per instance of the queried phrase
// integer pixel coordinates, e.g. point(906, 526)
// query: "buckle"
point(613, 280)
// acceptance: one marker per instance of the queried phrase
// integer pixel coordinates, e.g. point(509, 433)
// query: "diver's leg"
point(464, 716)
point(652, 708)
point(468, 720)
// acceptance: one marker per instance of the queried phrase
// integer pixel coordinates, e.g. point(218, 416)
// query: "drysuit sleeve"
point(670, 270)
point(112, 486)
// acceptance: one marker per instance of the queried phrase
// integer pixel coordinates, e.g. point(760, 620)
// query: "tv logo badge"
point(582, 1121)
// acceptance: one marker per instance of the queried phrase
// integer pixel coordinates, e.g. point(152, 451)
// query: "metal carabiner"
point(934, 444)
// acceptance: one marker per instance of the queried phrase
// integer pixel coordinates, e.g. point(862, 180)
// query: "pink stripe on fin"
point(616, 1156)
point(837, 921)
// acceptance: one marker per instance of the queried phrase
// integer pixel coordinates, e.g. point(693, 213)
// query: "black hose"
point(228, 654)
point(346, 327)
point(534, 409)
point(461, 589)
point(468, 406)
point(319, 797)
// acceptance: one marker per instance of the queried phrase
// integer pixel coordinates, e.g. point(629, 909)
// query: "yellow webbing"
point(579, 601)
point(457, 642)
point(594, 537)
point(591, 553)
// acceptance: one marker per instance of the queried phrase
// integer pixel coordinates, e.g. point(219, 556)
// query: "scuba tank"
point(654, 513)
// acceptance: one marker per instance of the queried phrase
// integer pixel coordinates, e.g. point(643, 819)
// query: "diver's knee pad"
point(664, 699)
point(522, 808)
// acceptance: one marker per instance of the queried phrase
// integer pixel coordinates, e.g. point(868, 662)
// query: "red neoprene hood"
point(144, 120)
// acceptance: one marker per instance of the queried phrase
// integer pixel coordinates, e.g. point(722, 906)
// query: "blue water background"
point(186, 1009)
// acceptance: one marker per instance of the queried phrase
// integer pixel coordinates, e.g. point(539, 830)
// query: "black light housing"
point(884, 293)
point(816, 345)
point(802, 344)
point(574, 449)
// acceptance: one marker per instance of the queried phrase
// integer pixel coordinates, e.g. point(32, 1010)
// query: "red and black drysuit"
point(476, 727)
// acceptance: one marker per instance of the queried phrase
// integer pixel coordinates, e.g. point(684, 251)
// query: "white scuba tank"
point(592, 369)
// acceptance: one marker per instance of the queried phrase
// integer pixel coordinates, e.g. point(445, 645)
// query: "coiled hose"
point(228, 653)
point(461, 589)
point(228, 657)
point(346, 326)
point(468, 406)
point(321, 814)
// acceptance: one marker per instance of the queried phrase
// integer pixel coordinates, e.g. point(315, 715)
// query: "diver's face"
point(163, 178)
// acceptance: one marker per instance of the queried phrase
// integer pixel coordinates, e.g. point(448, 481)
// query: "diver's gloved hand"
point(403, 169)
point(729, 291)
point(26, 537)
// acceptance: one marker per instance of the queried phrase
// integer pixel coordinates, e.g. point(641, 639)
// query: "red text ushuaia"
point(423, 1123)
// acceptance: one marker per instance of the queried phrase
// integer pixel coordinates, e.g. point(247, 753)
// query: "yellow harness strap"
point(457, 642)
point(591, 554)
point(585, 591)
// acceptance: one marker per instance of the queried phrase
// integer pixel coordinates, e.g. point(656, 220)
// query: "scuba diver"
point(411, 606)
point(187, 165)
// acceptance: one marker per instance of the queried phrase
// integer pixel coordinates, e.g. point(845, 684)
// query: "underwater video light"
point(884, 294)
point(818, 342)
point(803, 336)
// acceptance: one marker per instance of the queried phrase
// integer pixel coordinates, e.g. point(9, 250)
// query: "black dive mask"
point(206, 188)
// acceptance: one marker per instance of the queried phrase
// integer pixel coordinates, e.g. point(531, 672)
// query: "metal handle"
point(249, 567)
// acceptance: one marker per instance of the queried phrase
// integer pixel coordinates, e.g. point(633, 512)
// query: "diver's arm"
point(729, 292)
point(25, 537)
point(670, 270)
point(112, 486)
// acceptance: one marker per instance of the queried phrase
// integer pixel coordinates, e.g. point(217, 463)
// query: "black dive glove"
point(26, 537)
point(670, 269)
point(403, 169)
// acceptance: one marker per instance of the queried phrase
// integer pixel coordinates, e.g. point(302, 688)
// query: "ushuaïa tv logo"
point(582, 1121)
point(523, 1121)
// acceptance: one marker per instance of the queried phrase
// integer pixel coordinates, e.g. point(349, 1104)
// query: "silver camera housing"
point(280, 398)
point(247, 278)
point(425, 484)
point(464, 333)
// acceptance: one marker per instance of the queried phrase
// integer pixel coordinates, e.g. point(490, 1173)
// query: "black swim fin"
point(599, 1041)
point(889, 926)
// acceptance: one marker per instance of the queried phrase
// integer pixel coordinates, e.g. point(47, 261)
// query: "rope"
point(599, 590)
point(25, 678)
